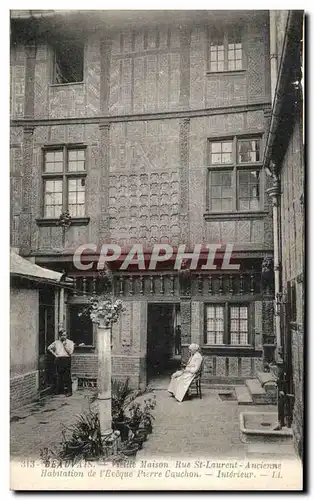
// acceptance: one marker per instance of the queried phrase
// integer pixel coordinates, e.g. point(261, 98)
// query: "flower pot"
point(123, 427)
point(149, 428)
point(131, 450)
point(134, 425)
point(139, 441)
point(141, 433)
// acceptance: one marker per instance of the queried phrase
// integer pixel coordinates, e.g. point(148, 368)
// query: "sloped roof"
point(24, 268)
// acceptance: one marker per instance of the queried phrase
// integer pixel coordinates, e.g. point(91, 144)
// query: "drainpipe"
point(278, 80)
point(273, 52)
point(274, 194)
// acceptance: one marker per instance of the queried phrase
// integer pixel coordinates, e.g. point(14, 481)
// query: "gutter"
point(37, 279)
point(279, 95)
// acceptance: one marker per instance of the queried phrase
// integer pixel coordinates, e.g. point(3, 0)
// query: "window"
point(226, 51)
point(80, 326)
point(69, 62)
point(227, 324)
point(234, 180)
point(248, 150)
point(64, 182)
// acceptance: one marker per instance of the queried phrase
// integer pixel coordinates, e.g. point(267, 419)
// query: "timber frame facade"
point(131, 153)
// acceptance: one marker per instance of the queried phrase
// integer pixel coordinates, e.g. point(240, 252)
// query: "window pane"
point(216, 147)
point(53, 198)
point(49, 211)
point(220, 191)
point(72, 210)
point(249, 151)
point(50, 156)
point(216, 54)
point(53, 161)
point(72, 184)
point(216, 205)
point(221, 152)
point(226, 158)
point(226, 205)
point(58, 156)
point(226, 178)
point(226, 147)
point(81, 197)
point(249, 190)
point(214, 325)
point(76, 197)
point(216, 158)
point(226, 192)
point(76, 158)
point(239, 325)
point(72, 197)
point(80, 210)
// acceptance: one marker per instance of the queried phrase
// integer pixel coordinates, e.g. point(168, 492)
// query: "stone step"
point(258, 393)
point(270, 378)
point(243, 395)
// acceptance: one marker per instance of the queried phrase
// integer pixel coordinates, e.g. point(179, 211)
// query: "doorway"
point(163, 344)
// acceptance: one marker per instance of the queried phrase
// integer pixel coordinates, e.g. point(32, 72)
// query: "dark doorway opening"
point(163, 342)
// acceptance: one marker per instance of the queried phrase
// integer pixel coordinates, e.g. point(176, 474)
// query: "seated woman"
point(182, 379)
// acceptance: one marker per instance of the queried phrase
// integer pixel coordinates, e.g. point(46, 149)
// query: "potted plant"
point(121, 393)
point(85, 440)
point(136, 416)
point(129, 448)
point(147, 416)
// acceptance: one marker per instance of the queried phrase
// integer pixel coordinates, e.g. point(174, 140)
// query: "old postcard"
point(157, 250)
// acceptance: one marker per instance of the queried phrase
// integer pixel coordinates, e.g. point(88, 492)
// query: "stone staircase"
point(254, 392)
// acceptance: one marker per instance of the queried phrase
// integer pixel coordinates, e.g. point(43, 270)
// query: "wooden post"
point(61, 308)
point(104, 377)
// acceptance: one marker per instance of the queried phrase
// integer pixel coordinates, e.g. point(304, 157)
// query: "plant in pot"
point(122, 395)
point(119, 393)
point(85, 440)
point(136, 416)
point(129, 447)
point(147, 415)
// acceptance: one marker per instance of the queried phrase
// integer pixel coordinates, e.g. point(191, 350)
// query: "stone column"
point(104, 377)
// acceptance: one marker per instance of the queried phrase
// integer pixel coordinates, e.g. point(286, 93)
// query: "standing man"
point(62, 349)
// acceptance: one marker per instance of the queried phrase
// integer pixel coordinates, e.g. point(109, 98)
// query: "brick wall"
point(85, 366)
point(23, 389)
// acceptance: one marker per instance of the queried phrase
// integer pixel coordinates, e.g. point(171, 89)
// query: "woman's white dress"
point(179, 385)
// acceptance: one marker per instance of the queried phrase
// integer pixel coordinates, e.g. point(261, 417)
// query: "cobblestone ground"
point(40, 424)
point(207, 427)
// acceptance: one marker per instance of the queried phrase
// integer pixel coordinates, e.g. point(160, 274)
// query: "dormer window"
point(225, 50)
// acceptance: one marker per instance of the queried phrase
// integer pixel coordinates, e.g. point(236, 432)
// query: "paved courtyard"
point(207, 427)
